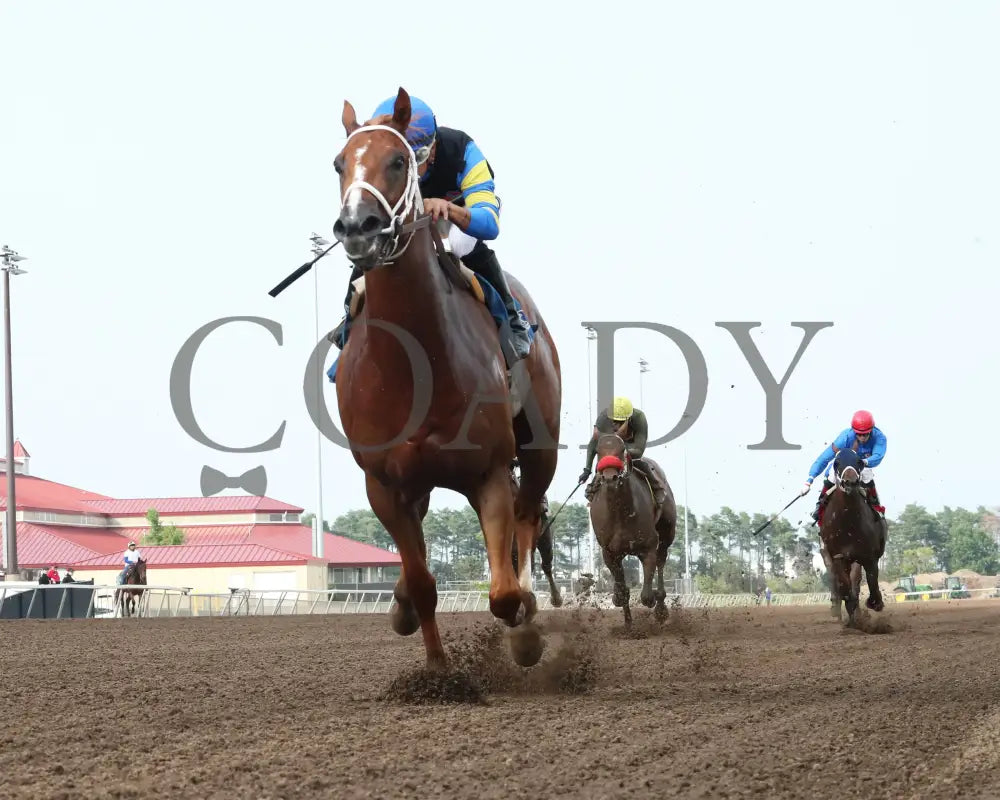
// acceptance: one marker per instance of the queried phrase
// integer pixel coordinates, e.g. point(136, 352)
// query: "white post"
point(687, 511)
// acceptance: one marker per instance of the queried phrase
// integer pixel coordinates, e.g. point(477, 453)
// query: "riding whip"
point(299, 272)
point(775, 516)
point(553, 517)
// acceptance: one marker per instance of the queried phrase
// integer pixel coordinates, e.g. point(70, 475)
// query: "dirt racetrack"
point(764, 702)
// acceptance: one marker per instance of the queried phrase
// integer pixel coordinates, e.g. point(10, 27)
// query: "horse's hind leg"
point(545, 551)
point(416, 589)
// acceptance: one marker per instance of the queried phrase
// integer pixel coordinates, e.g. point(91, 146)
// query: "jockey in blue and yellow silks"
point(869, 443)
point(454, 174)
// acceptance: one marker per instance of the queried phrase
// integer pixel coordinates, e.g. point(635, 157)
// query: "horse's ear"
point(402, 110)
point(349, 118)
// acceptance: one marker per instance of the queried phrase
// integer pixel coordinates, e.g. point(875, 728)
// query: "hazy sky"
point(163, 165)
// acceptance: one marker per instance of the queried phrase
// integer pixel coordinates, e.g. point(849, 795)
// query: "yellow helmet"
point(621, 409)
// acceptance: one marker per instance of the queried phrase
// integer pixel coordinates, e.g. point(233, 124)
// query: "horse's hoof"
point(437, 663)
point(526, 645)
point(508, 609)
point(874, 605)
point(404, 619)
point(556, 601)
point(647, 601)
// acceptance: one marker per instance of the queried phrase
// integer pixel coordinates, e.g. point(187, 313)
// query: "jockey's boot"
point(338, 335)
point(872, 496)
point(821, 500)
point(659, 490)
point(484, 261)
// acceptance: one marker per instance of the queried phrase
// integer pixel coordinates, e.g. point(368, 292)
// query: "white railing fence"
point(61, 601)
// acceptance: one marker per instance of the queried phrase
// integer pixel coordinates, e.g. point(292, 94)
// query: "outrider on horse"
point(853, 536)
point(135, 575)
point(429, 394)
point(628, 520)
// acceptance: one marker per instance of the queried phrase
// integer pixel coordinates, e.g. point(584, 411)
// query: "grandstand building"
point(230, 542)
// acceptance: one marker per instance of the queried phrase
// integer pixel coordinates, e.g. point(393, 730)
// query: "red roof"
point(208, 555)
point(38, 548)
point(19, 451)
point(41, 546)
point(199, 534)
point(189, 505)
point(41, 495)
point(336, 549)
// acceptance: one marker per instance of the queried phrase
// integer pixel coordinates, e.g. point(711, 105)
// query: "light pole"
point(591, 337)
point(643, 367)
point(319, 245)
point(9, 259)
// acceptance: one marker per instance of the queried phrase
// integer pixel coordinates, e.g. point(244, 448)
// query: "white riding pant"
point(460, 242)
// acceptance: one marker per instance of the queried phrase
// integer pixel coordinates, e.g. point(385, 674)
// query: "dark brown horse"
point(129, 598)
point(623, 514)
point(424, 393)
point(543, 544)
point(853, 537)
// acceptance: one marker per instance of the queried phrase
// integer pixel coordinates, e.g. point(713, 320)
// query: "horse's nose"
point(357, 221)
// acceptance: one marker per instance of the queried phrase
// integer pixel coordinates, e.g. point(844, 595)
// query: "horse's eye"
point(397, 163)
point(338, 164)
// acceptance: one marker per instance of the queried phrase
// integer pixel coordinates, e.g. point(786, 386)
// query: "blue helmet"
point(422, 129)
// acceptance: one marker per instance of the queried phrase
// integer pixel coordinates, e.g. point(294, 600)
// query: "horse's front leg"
point(416, 589)
point(646, 596)
point(874, 601)
point(842, 578)
point(620, 592)
point(495, 507)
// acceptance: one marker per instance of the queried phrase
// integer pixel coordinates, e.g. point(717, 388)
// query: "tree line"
point(725, 555)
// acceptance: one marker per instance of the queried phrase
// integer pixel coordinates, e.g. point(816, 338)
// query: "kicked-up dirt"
point(763, 702)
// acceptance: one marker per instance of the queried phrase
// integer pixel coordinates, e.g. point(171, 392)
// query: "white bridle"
point(409, 202)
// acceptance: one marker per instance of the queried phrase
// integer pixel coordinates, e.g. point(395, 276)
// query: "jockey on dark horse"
point(456, 183)
point(868, 442)
point(630, 425)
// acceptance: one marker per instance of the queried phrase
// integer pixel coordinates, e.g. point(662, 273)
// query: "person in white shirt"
point(132, 556)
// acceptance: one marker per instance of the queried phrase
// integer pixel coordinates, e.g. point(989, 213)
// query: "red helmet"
point(862, 422)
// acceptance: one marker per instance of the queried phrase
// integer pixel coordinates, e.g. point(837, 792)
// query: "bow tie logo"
point(253, 482)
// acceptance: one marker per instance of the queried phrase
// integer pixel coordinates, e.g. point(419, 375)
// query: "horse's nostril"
point(371, 224)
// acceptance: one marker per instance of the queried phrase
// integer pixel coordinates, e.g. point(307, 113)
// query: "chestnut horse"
point(623, 513)
point(853, 537)
point(424, 393)
point(136, 576)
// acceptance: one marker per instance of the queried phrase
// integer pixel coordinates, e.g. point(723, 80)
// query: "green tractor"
point(954, 586)
point(908, 589)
